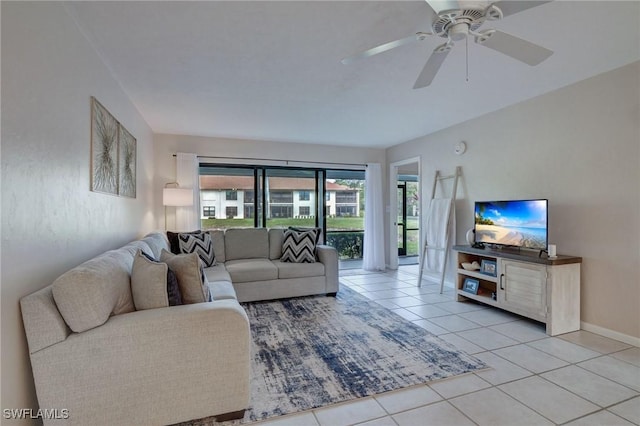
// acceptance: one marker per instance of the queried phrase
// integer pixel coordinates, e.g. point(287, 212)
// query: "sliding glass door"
point(228, 197)
point(291, 197)
point(279, 197)
point(344, 211)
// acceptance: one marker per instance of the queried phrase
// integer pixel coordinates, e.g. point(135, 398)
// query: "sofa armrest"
point(157, 366)
point(328, 256)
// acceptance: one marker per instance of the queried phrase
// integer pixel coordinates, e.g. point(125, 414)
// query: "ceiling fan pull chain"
point(466, 44)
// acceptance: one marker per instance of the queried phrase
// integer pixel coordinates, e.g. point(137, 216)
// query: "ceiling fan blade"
point(513, 46)
point(381, 48)
point(509, 7)
point(432, 66)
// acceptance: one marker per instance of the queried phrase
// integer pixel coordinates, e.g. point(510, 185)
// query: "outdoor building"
point(233, 197)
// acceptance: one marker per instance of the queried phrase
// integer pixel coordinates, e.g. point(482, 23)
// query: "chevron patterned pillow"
point(299, 246)
point(200, 244)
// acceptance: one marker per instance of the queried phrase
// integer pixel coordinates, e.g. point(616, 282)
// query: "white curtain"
point(373, 251)
point(187, 176)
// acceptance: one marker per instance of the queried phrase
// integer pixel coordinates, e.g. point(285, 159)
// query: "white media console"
point(522, 282)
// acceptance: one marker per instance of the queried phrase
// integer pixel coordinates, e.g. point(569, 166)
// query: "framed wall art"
point(126, 163)
point(113, 154)
point(104, 150)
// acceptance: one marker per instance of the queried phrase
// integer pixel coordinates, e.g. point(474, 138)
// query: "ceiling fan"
point(455, 21)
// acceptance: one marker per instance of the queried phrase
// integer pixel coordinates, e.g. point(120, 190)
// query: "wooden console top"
point(522, 255)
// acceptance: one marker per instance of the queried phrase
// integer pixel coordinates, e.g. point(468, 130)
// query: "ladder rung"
point(446, 177)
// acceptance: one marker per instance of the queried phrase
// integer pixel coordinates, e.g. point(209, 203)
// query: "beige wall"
point(580, 148)
point(50, 220)
point(167, 145)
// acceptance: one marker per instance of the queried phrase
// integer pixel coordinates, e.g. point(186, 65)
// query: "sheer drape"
point(187, 176)
point(373, 250)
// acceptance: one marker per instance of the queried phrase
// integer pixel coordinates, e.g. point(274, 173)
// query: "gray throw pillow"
point(148, 283)
point(191, 278)
point(173, 290)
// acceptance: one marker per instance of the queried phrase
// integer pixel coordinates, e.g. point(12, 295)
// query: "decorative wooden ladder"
point(448, 224)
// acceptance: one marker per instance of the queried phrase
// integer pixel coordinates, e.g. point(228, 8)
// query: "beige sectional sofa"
point(104, 362)
point(249, 260)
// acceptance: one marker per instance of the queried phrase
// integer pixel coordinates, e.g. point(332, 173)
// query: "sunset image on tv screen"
point(513, 223)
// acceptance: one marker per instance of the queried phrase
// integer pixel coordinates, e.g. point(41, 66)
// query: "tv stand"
point(543, 289)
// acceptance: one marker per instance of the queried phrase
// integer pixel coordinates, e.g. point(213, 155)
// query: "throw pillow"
point(148, 283)
point(174, 245)
point(299, 246)
point(199, 244)
point(317, 232)
point(173, 290)
point(190, 274)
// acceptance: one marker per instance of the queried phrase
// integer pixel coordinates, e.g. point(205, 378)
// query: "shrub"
point(348, 244)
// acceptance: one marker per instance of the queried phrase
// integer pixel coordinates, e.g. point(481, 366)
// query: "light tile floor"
point(578, 378)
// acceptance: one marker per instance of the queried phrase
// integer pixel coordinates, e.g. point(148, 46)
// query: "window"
point(288, 187)
point(345, 212)
point(346, 197)
point(215, 182)
point(248, 211)
point(281, 211)
point(209, 211)
point(281, 196)
point(268, 196)
point(304, 211)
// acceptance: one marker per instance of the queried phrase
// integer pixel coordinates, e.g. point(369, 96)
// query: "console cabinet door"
point(522, 288)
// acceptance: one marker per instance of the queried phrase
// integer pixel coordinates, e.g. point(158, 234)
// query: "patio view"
point(240, 197)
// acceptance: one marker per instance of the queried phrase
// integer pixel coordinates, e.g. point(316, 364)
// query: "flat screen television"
point(517, 223)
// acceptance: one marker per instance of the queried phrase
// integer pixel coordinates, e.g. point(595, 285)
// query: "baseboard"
point(605, 332)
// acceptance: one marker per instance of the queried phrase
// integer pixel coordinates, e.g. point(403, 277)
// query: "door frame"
point(393, 207)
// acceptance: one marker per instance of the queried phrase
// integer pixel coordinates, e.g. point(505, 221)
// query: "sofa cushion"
point(217, 239)
point(276, 238)
point(299, 246)
point(221, 290)
point(149, 283)
point(191, 278)
point(247, 270)
point(216, 273)
point(246, 243)
point(199, 244)
point(156, 241)
point(88, 294)
point(298, 270)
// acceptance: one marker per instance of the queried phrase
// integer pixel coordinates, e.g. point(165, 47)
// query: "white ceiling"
point(271, 70)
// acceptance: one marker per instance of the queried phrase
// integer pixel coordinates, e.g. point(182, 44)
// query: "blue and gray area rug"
point(315, 351)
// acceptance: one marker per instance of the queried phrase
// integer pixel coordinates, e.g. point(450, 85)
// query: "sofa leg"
point(332, 294)
point(236, 415)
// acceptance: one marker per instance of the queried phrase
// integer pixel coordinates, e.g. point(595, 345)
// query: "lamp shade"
point(177, 197)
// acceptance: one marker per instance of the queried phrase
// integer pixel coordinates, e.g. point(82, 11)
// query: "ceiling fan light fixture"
point(459, 31)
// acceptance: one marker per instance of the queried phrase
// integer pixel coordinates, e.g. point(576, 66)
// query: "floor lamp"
point(174, 196)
